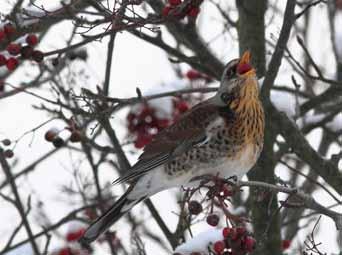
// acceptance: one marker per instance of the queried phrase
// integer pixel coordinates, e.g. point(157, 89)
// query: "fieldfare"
point(222, 136)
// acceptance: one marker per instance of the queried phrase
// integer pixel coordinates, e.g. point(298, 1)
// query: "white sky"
point(135, 63)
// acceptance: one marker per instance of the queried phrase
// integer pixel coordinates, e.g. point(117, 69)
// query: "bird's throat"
point(246, 97)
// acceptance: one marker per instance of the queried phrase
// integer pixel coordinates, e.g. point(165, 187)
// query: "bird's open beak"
point(244, 67)
point(246, 58)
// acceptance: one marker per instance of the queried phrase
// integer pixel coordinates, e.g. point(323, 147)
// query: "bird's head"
point(238, 74)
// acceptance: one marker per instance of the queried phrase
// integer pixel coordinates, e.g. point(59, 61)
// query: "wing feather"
point(141, 168)
point(188, 131)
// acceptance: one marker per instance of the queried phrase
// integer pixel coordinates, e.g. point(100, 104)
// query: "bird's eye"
point(226, 98)
point(231, 72)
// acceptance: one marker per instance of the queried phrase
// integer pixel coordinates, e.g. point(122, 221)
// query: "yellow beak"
point(246, 57)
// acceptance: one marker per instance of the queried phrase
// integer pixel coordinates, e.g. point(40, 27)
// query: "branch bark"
point(18, 203)
point(308, 201)
point(277, 56)
point(295, 139)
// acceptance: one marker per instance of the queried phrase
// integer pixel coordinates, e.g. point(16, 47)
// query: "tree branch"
point(295, 139)
point(308, 201)
point(273, 67)
point(18, 203)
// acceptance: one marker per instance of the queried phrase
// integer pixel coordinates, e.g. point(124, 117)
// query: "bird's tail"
point(113, 214)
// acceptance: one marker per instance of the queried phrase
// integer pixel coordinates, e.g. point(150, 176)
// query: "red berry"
point(219, 247)
point(8, 153)
point(243, 68)
point(6, 142)
point(193, 75)
point(240, 231)
point(166, 10)
point(213, 220)
point(3, 60)
point(182, 106)
point(13, 48)
point(249, 244)
point(51, 134)
point(9, 29)
point(90, 213)
point(233, 235)
point(175, 2)
point(58, 142)
point(163, 123)
point(37, 56)
point(76, 136)
point(285, 244)
point(195, 207)
point(227, 190)
point(131, 116)
point(142, 140)
point(146, 112)
point(65, 251)
point(226, 232)
point(193, 12)
point(26, 52)
point(75, 235)
point(32, 40)
point(12, 63)
point(2, 35)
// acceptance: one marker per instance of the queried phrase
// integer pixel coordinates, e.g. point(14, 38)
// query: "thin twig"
point(19, 205)
point(277, 56)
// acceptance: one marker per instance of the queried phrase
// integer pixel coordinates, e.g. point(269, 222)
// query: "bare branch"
point(19, 205)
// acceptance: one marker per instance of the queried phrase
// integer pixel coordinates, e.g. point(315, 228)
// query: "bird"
point(222, 135)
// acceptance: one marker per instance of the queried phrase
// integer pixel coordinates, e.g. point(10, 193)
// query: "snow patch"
point(164, 105)
point(284, 102)
point(200, 242)
point(75, 226)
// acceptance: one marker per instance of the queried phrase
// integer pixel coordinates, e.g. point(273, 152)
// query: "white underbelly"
point(158, 180)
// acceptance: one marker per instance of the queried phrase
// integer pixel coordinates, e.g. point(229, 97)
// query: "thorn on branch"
point(139, 94)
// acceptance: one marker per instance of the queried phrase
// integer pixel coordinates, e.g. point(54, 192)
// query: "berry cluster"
point(144, 123)
point(8, 153)
point(60, 137)
point(171, 9)
point(236, 241)
point(15, 50)
point(72, 247)
point(180, 106)
point(219, 190)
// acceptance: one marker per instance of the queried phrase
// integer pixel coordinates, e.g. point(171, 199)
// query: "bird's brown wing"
point(188, 131)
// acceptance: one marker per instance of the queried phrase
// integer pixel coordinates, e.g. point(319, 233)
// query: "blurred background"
point(71, 71)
